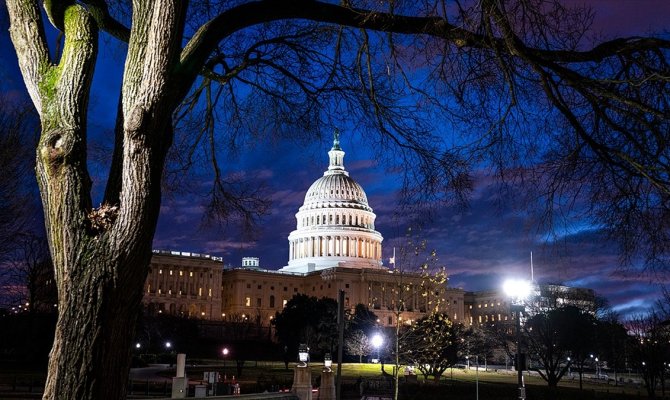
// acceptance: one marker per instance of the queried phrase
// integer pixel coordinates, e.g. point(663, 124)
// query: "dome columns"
point(334, 246)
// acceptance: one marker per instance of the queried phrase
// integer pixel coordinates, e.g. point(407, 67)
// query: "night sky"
point(479, 246)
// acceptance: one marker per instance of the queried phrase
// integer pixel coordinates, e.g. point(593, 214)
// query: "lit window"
point(283, 303)
point(181, 273)
point(190, 274)
point(160, 271)
point(170, 272)
point(247, 301)
point(199, 291)
point(210, 292)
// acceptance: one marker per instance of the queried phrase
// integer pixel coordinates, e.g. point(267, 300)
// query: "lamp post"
point(518, 291)
point(569, 363)
point(303, 355)
point(302, 375)
point(327, 362)
point(377, 341)
point(225, 353)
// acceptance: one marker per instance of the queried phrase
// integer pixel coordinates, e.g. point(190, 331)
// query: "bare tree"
point(357, 344)
point(15, 184)
point(31, 273)
point(650, 349)
point(294, 64)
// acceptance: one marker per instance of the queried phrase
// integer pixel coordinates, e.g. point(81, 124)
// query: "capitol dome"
point(335, 225)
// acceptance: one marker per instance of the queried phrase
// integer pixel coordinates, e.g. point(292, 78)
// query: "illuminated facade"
point(334, 247)
point(184, 284)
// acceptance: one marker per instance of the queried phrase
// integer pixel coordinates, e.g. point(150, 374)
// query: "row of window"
point(259, 302)
point(181, 273)
point(259, 287)
point(485, 318)
point(486, 305)
point(180, 292)
point(338, 219)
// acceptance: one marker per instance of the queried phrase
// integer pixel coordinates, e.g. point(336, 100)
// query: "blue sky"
point(479, 246)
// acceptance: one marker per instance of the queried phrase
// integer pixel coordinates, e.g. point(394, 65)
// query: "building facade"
point(334, 247)
point(184, 284)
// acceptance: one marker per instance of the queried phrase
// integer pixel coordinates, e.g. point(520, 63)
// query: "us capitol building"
point(334, 247)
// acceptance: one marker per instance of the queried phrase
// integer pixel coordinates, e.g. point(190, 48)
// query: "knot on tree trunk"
point(101, 218)
point(58, 144)
point(136, 122)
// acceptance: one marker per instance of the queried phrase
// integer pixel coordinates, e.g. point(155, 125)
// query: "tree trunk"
point(96, 317)
point(100, 256)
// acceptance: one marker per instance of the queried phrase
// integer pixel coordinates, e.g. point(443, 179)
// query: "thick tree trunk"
point(100, 256)
point(91, 351)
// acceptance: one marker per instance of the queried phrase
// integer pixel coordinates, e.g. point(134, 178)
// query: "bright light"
point(517, 289)
point(225, 351)
point(137, 345)
point(377, 340)
point(168, 345)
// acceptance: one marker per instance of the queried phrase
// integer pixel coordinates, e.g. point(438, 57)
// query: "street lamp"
point(569, 363)
point(225, 353)
point(168, 346)
point(518, 291)
point(597, 367)
point(303, 355)
point(377, 341)
point(327, 362)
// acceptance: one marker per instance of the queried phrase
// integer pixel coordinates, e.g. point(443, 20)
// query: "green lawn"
point(455, 383)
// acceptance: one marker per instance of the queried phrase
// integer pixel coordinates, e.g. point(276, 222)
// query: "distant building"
point(492, 306)
point(184, 284)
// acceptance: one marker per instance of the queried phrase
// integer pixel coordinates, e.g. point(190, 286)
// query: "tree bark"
point(101, 255)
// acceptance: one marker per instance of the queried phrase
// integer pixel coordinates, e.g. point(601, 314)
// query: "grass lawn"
point(455, 384)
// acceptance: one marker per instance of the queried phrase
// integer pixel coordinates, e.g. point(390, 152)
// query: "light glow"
point(377, 340)
point(517, 289)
